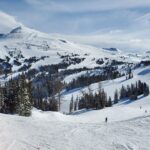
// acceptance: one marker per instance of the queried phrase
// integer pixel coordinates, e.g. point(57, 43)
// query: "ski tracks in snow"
point(33, 134)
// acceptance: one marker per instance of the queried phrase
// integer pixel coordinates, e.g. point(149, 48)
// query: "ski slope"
point(127, 129)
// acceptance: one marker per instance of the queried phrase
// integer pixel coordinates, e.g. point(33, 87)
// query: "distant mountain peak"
point(16, 30)
point(112, 49)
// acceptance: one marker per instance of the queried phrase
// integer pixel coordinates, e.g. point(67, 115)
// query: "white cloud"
point(123, 40)
point(7, 22)
point(87, 5)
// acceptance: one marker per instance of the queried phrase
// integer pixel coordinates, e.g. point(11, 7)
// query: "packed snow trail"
point(54, 131)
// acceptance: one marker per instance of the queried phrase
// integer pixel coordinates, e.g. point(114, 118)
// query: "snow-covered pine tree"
point(24, 104)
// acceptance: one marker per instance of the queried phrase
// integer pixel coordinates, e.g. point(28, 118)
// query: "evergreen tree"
point(76, 104)
point(116, 97)
point(2, 99)
point(109, 103)
point(53, 104)
point(71, 105)
point(123, 92)
point(103, 99)
point(128, 91)
point(58, 86)
point(24, 104)
point(146, 89)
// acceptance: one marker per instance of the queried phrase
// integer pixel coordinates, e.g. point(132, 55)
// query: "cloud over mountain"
point(7, 22)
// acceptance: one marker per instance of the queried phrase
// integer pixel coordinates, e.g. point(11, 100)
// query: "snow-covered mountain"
point(23, 49)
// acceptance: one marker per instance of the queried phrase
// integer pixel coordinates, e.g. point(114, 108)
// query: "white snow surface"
point(128, 126)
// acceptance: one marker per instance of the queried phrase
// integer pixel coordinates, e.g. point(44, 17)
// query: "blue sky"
point(121, 21)
point(75, 16)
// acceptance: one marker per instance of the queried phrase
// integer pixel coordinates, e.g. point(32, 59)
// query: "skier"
point(106, 119)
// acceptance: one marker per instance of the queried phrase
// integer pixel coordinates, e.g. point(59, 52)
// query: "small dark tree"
point(116, 97)
point(71, 105)
point(109, 103)
point(146, 89)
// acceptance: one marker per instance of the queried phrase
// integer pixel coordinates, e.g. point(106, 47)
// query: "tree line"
point(89, 100)
point(19, 95)
point(132, 91)
point(99, 100)
point(47, 94)
point(86, 80)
